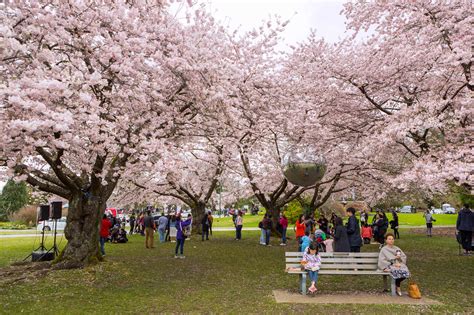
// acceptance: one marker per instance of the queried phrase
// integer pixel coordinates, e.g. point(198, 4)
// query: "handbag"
point(413, 290)
point(398, 273)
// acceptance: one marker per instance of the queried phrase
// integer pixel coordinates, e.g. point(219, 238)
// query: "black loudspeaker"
point(44, 213)
point(56, 209)
point(42, 255)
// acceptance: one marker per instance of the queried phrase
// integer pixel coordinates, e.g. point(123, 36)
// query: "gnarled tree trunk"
point(198, 213)
point(82, 231)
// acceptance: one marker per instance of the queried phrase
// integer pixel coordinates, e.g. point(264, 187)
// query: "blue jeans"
point(262, 236)
point(313, 276)
point(180, 245)
point(162, 235)
point(267, 236)
point(283, 236)
point(102, 241)
point(238, 232)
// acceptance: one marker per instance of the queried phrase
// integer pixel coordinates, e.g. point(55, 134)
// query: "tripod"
point(42, 253)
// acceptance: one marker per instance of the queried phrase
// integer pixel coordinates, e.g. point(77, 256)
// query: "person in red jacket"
point(105, 226)
point(366, 233)
point(300, 229)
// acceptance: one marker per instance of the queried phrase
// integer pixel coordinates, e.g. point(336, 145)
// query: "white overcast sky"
point(304, 15)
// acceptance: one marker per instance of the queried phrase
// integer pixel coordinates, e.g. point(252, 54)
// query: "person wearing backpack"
point(180, 235)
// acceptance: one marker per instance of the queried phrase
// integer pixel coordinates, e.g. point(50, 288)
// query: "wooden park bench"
point(359, 264)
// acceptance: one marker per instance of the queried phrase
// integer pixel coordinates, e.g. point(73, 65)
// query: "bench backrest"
point(337, 261)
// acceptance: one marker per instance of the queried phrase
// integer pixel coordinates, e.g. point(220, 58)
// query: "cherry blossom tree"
point(188, 171)
point(402, 90)
point(88, 91)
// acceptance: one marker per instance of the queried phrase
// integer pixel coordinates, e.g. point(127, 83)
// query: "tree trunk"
point(82, 231)
point(275, 213)
point(198, 213)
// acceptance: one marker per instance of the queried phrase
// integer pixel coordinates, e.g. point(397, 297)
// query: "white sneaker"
point(282, 244)
point(176, 256)
point(182, 257)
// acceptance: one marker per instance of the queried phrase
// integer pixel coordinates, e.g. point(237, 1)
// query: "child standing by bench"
point(312, 263)
point(366, 233)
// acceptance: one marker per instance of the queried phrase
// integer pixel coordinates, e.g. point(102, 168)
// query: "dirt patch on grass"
point(23, 271)
point(441, 231)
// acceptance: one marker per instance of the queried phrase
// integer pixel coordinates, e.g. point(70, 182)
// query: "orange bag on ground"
point(413, 290)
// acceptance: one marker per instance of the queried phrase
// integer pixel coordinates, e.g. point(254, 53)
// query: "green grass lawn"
point(404, 219)
point(224, 276)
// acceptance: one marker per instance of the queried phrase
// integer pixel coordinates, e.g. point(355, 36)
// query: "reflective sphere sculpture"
point(303, 167)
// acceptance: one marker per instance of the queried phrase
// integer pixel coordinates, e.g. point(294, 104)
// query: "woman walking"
point(239, 222)
point(180, 236)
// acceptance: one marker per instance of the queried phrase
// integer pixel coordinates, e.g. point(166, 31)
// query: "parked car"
point(448, 209)
point(406, 209)
point(49, 224)
point(436, 211)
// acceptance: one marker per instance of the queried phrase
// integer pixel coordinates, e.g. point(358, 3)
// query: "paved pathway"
point(216, 229)
point(282, 296)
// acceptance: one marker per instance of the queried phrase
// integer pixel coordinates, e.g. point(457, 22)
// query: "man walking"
point(465, 226)
point(149, 229)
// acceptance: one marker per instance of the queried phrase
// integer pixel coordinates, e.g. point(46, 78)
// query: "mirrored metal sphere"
point(303, 167)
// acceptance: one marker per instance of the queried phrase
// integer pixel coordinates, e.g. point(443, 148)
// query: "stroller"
point(458, 239)
point(319, 238)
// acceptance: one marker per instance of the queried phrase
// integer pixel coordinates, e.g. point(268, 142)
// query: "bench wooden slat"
point(338, 266)
point(343, 272)
point(352, 272)
point(339, 260)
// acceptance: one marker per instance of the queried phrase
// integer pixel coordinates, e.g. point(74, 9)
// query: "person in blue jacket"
point(353, 231)
point(465, 226)
point(180, 236)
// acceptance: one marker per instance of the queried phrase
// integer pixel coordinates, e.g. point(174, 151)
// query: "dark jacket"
point(205, 221)
point(465, 221)
point(353, 232)
point(267, 224)
point(341, 240)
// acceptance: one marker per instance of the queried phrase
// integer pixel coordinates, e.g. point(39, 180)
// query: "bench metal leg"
point(393, 287)
point(385, 283)
point(303, 283)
